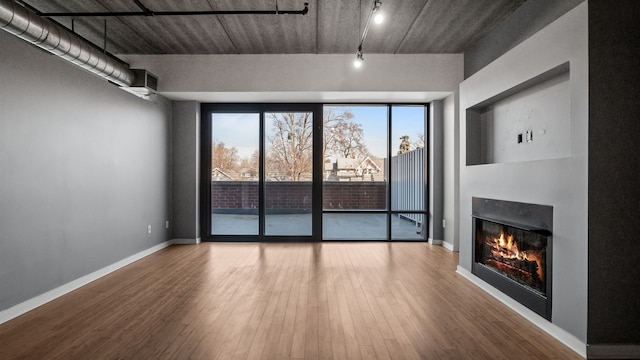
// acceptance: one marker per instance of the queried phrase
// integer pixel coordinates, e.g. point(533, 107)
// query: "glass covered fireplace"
point(512, 250)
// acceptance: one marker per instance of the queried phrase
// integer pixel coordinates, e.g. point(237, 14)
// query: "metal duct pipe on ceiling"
point(56, 39)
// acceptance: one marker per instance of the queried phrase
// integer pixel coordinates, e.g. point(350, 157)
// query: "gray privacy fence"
point(408, 184)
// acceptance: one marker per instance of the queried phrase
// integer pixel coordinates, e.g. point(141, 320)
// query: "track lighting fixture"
point(378, 19)
point(359, 60)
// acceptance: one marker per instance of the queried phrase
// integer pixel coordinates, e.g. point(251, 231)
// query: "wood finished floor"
point(281, 301)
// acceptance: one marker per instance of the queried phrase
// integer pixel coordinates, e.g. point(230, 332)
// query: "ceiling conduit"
point(56, 39)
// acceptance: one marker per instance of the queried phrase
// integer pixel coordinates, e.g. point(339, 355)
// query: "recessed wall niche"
point(530, 121)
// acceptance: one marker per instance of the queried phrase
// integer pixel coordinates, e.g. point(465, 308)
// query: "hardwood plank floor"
point(280, 301)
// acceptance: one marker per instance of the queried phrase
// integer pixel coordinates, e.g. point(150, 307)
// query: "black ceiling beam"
point(147, 12)
point(144, 9)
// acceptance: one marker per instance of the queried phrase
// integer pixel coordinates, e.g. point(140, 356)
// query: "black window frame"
point(206, 109)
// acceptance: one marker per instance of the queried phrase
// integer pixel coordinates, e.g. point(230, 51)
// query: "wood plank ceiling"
point(330, 27)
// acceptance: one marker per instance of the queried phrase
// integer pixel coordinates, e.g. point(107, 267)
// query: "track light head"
point(376, 5)
point(378, 19)
point(357, 63)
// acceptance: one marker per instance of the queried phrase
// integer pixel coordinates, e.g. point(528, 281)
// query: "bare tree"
point(249, 164)
point(290, 152)
point(223, 157)
point(289, 155)
point(405, 145)
point(342, 136)
point(419, 143)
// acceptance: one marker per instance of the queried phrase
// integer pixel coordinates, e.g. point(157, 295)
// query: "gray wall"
point(186, 171)
point(451, 173)
point(543, 109)
point(614, 170)
point(613, 165)
point(561, 183)
point(528, 19)
point(436, 171)
point(84, 169)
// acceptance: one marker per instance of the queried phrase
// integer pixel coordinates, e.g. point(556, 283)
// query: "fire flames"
point(506, 247)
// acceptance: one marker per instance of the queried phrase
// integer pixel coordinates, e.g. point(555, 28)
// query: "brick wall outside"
point(288, 195)
point(297, 195)
point(354, 195)
point(234, 194)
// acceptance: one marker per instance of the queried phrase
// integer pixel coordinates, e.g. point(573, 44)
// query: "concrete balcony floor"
point(335, 226)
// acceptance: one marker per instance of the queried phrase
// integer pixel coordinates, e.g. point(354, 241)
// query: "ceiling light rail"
point(378, 19)
point(147, 12)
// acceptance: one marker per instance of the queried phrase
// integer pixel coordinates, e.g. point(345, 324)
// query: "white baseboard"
point(26, 306)
point(560, 334)
point(448, 246)
point(186, 241)
point(442, 243)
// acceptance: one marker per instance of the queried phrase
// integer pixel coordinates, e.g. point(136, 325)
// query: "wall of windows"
point(277, 172)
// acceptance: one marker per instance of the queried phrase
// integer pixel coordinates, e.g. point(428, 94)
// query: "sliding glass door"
point(235, 144)
point(408, 166)
point(259, 177)
point(277, 172)
point(355, 182)
point(374, 181)
point(288, 161)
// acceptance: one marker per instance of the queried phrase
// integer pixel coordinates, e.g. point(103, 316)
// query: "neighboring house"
point(248, 174)
point(218, 174)
point(347, 169)
point(306, 176)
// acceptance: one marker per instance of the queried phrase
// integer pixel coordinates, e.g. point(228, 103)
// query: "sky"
point(406, 120)
point(241, 130)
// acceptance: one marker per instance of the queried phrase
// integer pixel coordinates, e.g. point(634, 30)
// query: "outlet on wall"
point(444, 223)
point(148, 229)
point(166, 224)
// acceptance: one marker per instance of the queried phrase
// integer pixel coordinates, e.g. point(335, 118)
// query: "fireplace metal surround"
point(527, 217)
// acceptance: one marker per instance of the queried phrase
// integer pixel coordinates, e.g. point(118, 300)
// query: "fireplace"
point(512, 250)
